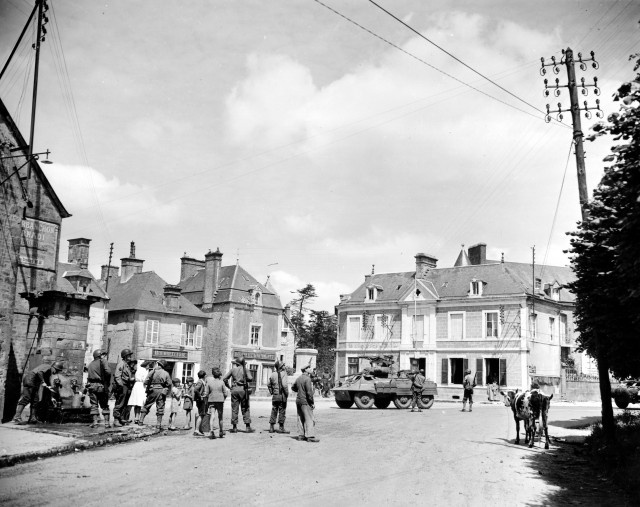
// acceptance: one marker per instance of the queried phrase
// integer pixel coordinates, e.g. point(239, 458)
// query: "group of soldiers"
point(158, 384)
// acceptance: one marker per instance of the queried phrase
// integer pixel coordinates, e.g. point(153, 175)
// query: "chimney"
point(110, 271)
point(172, 297)
point(79, 252)
point(189, 266)
point(212, 262)
point(478, 254)
point(424, 263)
point(130, 265)
point(287, 311)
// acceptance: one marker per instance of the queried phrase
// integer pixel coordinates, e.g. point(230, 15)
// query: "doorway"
point(418, 363)
point(496, 371)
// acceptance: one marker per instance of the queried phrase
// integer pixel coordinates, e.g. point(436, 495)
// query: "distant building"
point(503, 320)
point(152, 318)
point(247, 318)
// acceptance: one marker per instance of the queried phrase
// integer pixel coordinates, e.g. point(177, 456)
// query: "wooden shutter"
point(479, 371)
point(444, 377)
point(183, 335)
point(503, 372)
point(465, 366)
point(198, 336)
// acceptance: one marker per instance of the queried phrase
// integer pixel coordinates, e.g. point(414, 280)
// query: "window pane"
point(492, 325)
point(353, 366)
point(353, 332)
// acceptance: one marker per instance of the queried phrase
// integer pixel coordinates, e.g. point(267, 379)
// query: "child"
point(201, 403)
point(187, 401)
point(176, 397)
point(215, 394)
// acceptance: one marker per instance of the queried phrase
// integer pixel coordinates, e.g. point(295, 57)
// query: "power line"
point(433, 66)
point(454, 57)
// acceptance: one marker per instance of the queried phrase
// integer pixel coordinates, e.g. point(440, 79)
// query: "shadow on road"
point(581, 422)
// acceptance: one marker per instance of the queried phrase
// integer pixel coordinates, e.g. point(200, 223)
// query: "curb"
point(76, 446)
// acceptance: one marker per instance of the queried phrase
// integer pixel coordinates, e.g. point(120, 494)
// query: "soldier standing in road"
point(40, 375)
point(98, 377)
point(279, 388)
point(326, 383)
point(239, 379)
point(123, 383)
point(305, 405)
point(158, 384)
point(468, 384)
point(416, 389)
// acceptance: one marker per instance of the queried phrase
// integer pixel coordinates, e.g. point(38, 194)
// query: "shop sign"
point(169, 354)
point(263, 356)
point(39, 244)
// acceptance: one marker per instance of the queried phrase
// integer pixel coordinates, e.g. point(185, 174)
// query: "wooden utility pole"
point(572, 85)
point(41, 31)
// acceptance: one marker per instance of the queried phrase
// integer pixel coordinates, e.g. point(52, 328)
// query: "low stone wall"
point(582, 391)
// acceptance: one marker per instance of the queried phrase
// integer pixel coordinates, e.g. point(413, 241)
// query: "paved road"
point(377, 457)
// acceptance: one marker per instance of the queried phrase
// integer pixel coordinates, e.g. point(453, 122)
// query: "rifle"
point(246, 385)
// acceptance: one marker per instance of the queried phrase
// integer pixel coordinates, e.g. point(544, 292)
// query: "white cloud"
point(87, 194)
point(329, 292)
point(303, 225)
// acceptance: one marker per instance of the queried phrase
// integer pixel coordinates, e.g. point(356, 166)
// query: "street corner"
point(28, 442)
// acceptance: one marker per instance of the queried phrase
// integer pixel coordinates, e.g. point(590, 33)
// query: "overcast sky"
point(303, 145)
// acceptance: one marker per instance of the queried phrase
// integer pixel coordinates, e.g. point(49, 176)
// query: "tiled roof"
point(508, 278)
point(145, 291)
point(234, 283)
point(64, 285)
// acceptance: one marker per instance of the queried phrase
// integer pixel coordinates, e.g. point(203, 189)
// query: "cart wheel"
point(344, 403)
point(425, 401)
point(364, 400)
point(382, 402)
point(402, 402)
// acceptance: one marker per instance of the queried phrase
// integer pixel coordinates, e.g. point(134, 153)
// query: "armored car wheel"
point(425, 401)
point(382, 402)
point(344, 403)
point(364, 400)
point(402, 401)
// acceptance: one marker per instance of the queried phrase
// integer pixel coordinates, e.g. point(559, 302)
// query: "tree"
point(299, 305)
point(321, 335)
point(606, 254)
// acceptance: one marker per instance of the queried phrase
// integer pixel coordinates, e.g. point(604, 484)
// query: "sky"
point(307, 147)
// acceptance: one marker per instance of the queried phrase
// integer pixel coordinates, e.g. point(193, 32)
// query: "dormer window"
point(371, 293)
point(475, 288)
point(538, 284)
point(555, 293)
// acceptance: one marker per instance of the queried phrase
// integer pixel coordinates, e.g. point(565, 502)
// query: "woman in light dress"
point(138, 393)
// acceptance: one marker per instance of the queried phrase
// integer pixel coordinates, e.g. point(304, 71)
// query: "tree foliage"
point(606, 249)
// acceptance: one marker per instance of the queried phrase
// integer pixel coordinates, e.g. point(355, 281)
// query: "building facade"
point(247, 318)
point(508, 322)
point(152, 318)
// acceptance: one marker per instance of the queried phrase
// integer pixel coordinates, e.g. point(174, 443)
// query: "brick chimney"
point(212, 263)
point(79, 252)
point(287, 311)
point(111, 272)
point(130, 266)
point(478, 254)
point(424, 263)
point(189, 266)
point(172, 297)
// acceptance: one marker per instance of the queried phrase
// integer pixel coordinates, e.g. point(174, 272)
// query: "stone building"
point(247, 318)
point(152, 318)
point(503, 320)
point(44, 314)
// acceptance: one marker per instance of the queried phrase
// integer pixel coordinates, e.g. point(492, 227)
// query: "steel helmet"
point(58, 365)
point(125, 353)
point(162, 363)
point(97, 353)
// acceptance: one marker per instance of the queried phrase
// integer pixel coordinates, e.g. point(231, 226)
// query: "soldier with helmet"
point(124, 379)
point(31, 382)
point(238, 381)
point(98, 379)
point(158, 384)
point(279, 388)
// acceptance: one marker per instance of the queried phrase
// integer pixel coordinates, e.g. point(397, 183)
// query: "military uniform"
point(468, 384)
point(305, 405)
point(278, 398)
point(236, 381)
point(31, 383)
point(98, 377)
point(158, 384)
point(124, 379)
point(416, 390)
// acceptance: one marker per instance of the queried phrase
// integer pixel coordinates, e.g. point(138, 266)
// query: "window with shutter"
point(444, 377)
point(456, 325)
point(503, 372)
point(479, 371)
point(353, 330)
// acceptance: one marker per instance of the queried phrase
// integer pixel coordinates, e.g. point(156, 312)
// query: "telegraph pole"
point(572, 85)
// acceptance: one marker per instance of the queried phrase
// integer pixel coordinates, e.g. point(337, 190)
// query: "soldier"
point(124, 380)
point(239, 380)
point(158, 384)
point(326, 383)
point(279, 388)
point(305, 405)
point(98, 377)
point(468, 384)
point(416, 389)
point(40, 375)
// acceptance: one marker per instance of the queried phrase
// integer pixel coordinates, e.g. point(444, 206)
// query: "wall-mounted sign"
point(169, 354)
point(39, 244)
point(263, 356)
